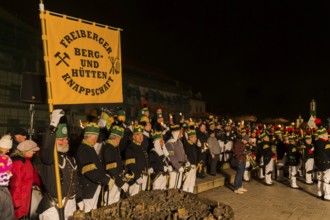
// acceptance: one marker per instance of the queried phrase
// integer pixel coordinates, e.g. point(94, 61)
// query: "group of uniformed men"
point(116, 160)
point(287, 153)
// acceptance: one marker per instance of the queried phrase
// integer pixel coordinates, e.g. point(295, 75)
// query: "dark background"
point(262, 58)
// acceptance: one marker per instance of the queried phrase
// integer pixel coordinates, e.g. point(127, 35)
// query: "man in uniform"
point(203, 152)
point(58, 135)
point(267, 155)
point(177, 156)
point(159, 124)
point(293, 161)
point(191, 151)
point(308, 158)
point(322, 162)
point(127, 138)
point(113, 165)
point(92, 175)
point(137, 163)
point(160, 162)
point(147, 133)
point(280, 152)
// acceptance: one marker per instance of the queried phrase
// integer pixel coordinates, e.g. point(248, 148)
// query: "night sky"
point(251, 58)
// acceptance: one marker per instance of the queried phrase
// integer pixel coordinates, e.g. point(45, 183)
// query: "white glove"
point(102, 123)
point(111, 183)
point(150, 170)
point(165, 169)
point(187, 164)
point(81, 205)
point(181, 170)
point(139, 181)
point(169, 168)
point(56, 116)
point(163, 125)
point(125, 187)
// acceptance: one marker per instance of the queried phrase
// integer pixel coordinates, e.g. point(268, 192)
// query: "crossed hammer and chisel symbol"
point(62, 59)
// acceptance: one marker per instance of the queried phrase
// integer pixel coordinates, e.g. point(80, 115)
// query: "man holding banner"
point(82, 61)
point(69, 182)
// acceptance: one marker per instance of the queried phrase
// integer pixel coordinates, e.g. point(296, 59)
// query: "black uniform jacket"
point(113, 162)
point(91, 171)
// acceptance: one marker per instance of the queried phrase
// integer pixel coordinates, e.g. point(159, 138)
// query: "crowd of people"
point(112, 159)
point(276, 153)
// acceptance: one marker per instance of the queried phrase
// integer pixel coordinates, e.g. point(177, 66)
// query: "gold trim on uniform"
point(88, 168)
point(87, 143)
point(294, 149)
point(130, 161)
point(327, 146)
point(110, 166)
point(171, 153)
point(265, 146)
point(112, 142)
point(137, 143)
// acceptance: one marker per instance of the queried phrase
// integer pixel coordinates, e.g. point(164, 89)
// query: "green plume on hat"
point(62, 131)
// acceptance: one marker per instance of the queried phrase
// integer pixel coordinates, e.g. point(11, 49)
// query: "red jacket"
point(21, 185)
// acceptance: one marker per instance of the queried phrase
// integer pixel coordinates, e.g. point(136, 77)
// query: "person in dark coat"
point(191, 150)
point(322, 162)
point(91, 172)
point(128, 134)
point(137, 163)
point(308, 159)
point(268, 157)
point(240, 156)
point(203, 151)
point(114, 165)
point(293, 161)
point(71, 191)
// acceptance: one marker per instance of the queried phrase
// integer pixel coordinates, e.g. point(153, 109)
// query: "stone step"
point(209, 182)
point(229, 174)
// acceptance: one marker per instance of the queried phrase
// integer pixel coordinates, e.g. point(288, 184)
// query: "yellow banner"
point(83, 60)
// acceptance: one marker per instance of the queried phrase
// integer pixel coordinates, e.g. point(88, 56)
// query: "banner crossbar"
point(84, 21)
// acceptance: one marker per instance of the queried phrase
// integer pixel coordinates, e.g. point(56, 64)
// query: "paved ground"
point(272, 202)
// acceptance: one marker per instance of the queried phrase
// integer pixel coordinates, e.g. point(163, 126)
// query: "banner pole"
point(50, 104)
